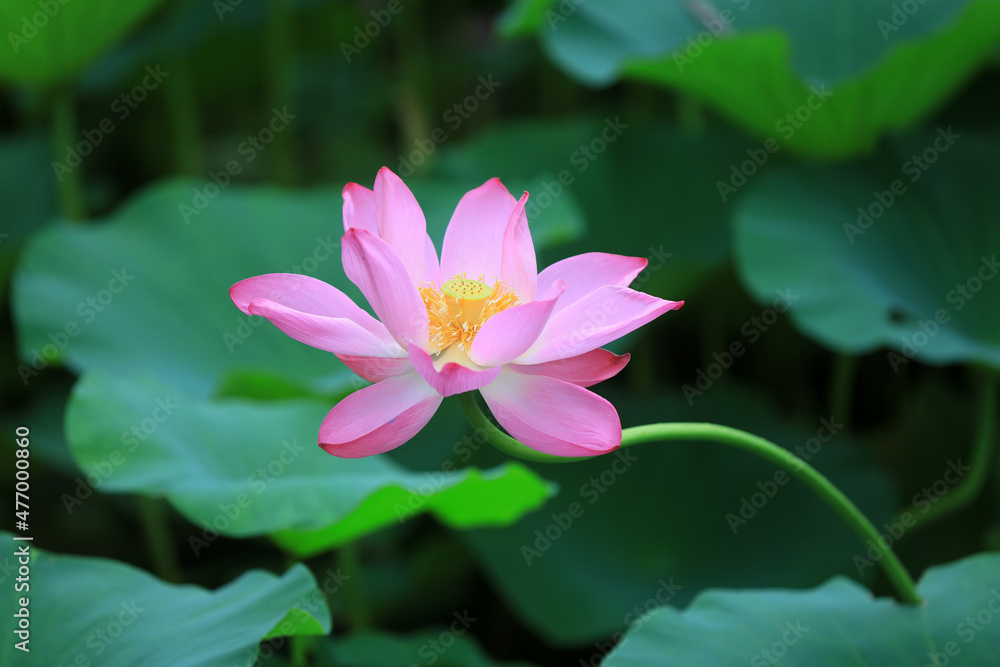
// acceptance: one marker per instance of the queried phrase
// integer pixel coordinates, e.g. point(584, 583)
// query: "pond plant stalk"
point(686, 431)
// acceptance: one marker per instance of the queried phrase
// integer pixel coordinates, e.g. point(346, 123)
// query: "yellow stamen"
point(460, 307)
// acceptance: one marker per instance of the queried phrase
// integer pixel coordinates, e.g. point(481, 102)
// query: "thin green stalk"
point(278, 45)
point(967, 490)
point(358, 613)
point(66, 134)
point(156, 529)
point(845, 368)
point(730, 436)
point(182, 108)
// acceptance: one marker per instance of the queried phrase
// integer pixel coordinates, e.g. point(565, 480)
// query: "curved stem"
point(730, 436)
point(65, 135)
point(968, 489)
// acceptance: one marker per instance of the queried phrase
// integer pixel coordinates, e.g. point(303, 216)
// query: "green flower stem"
point(156, 529)
point(737, 438)
point(358, 613)
point(982, 449)
point(66, 133)
point(845, 368)
point(278, 45)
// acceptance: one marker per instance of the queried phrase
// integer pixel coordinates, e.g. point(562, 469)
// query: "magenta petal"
point(604, 315)
point(553, 416)
point(359, 208)
point(518, 267)
point(585, 369)
point(333, 334)
point(378, 418)
point(507, 335)
point(587, 272)
point(474, 240)
point(376, 369)
point(453, 378)
point(400, 222)
point(314, 313)
point(380, 275)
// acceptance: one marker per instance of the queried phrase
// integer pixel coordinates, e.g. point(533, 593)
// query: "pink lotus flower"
point(483, 318)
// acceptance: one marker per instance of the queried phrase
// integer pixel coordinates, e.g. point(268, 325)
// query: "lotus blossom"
point(482, 318)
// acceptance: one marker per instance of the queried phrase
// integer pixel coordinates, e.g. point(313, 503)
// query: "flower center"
point(460, 307)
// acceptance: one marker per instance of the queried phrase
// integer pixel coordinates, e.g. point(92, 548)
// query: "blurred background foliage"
point(816, 181)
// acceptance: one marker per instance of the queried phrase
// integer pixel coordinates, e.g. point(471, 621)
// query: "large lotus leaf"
point(662, 521)
point(48, 41)
point(448, 647)
point(147, 289)
point(838, 623)
point(242, 468)
point(101, 612)
point(761, 63)
point(899, 252)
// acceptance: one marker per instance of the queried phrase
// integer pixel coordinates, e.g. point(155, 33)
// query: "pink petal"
point(333, 334)
point(585, 273)
point(400, 222)
point(380, 275)
point(518, 267)
point(604, 315)
point(474, 240)
point(359, 208)
point(314, 313)
point(452, 378)
point(376, 369)
point(553, 416)
point(585, 369)
point(378, 418)
point(509, 333)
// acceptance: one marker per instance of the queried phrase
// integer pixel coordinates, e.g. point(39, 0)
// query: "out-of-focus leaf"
point(444, 648)
point(48, 41)
point(836, 624)
point(819, 79)
point(900, 252)
point(244, 468)
point(98, 611)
